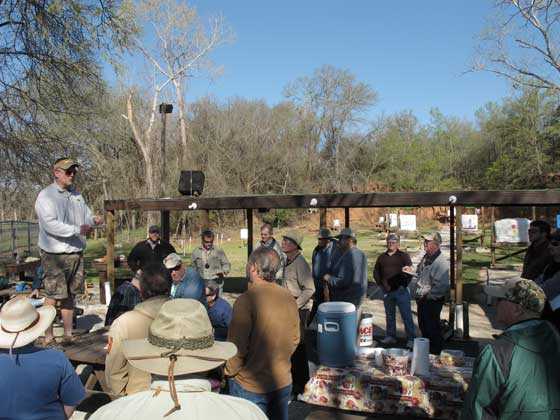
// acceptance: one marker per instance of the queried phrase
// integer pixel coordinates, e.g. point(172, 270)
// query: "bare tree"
point(338, 101)
point(522, 43)
point(179, 50)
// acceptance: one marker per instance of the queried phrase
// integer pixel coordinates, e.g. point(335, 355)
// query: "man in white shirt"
point(181, 355)
point(64, 221)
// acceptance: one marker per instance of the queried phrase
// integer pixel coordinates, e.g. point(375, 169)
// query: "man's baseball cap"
point(435, 237)
point(153, 229)
point(65, 163)
point(523, 292)
point(172, 261)
point(207, 232)
point(393, 237)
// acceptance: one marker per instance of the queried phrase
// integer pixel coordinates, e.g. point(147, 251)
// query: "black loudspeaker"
point(191, 182)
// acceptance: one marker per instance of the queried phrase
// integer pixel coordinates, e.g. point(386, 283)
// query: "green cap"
point(295, 237)
point(525, 293)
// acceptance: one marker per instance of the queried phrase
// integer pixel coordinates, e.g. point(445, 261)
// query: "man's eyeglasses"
point(71, 171)
point(554, 243)
point(176, 268)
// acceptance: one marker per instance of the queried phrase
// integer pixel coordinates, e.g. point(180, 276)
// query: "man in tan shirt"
point(121, 377)
point(299, 281)
point(265, 329)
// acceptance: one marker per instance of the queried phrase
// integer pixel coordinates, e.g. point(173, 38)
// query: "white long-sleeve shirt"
point(61, 213)
point(195, 398)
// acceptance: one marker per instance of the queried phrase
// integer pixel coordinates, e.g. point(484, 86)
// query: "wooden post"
point(534, 213)
point(322, 218)
point(249, 232)
point(205, 219)
point(110, 256)
point(346, 217)
point(452, 264)
point(492, 239)
point(165, 225)
point(459, 256)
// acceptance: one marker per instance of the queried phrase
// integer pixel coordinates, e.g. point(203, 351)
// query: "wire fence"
point(18, 238)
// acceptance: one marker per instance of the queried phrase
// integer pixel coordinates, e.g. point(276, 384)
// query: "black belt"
point(63, 253)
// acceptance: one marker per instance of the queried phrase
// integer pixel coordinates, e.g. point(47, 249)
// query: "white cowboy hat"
point(181, 329)
point(21, 323)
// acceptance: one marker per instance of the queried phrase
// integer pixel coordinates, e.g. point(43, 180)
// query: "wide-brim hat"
point(181, 330)
point(21, 323)
point(295, 237)
point(347, 232)
point(324, 233)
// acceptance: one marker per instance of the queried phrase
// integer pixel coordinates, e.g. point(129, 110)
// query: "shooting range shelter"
point(347, 201)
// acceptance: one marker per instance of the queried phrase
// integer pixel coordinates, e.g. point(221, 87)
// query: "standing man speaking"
point(64, 221)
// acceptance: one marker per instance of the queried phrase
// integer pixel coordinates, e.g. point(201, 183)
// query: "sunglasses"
point(554, 243)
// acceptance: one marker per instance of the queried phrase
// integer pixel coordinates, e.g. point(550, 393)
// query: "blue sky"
point(414, 54)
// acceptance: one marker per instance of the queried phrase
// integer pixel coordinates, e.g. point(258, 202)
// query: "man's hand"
point(326, 278)
point(34, 294)
point(85, 229)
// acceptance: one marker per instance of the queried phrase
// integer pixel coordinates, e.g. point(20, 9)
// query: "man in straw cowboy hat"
point(347, 279)
point(35, 383)
point(517, 376)
point(179, 352)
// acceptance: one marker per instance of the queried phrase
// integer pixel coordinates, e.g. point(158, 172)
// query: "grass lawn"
point(369, 241)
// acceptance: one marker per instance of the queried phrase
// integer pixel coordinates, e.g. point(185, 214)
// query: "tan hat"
point(65, 164)
point(294, 236)
point(435, 237)
point(324, 233)
point(181, 329)
point(172, 261)
point(347, 232)
point(525, 293)
point(21, 323)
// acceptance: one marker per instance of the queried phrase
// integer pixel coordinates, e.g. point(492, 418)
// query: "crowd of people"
point(174, 341)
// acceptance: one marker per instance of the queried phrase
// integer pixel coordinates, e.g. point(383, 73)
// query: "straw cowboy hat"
point(294, 236)
point(21, 323)
point(183, 330)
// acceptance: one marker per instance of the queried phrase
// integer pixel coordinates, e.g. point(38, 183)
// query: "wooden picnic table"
point(90, 349)
point(21, 268)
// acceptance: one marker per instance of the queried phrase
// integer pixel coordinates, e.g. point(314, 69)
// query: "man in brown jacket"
point(121, 377)
point(265, 329)
point(299, 281)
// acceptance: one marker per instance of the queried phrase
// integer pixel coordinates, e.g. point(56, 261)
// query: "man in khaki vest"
point(121, 377)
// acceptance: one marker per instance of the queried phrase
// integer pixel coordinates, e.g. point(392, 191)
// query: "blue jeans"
point(400, 298)
point(274, 404)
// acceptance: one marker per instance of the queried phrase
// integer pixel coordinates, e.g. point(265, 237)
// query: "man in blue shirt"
point(323, 258)
point(347, 280)
point(35, 383)
point(186, 282)
point(219, 311)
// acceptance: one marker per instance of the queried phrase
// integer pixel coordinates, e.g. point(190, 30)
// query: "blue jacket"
point(191, 287)
point(220, 317)
point(348, 281)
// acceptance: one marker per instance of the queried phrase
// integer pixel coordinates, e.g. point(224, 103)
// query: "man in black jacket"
point(152, 250)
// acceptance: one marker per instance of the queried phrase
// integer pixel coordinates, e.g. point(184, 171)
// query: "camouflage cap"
point(433, 237)
point(525, 293)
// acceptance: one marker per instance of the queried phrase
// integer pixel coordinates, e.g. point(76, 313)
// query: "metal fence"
point(18, 237)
